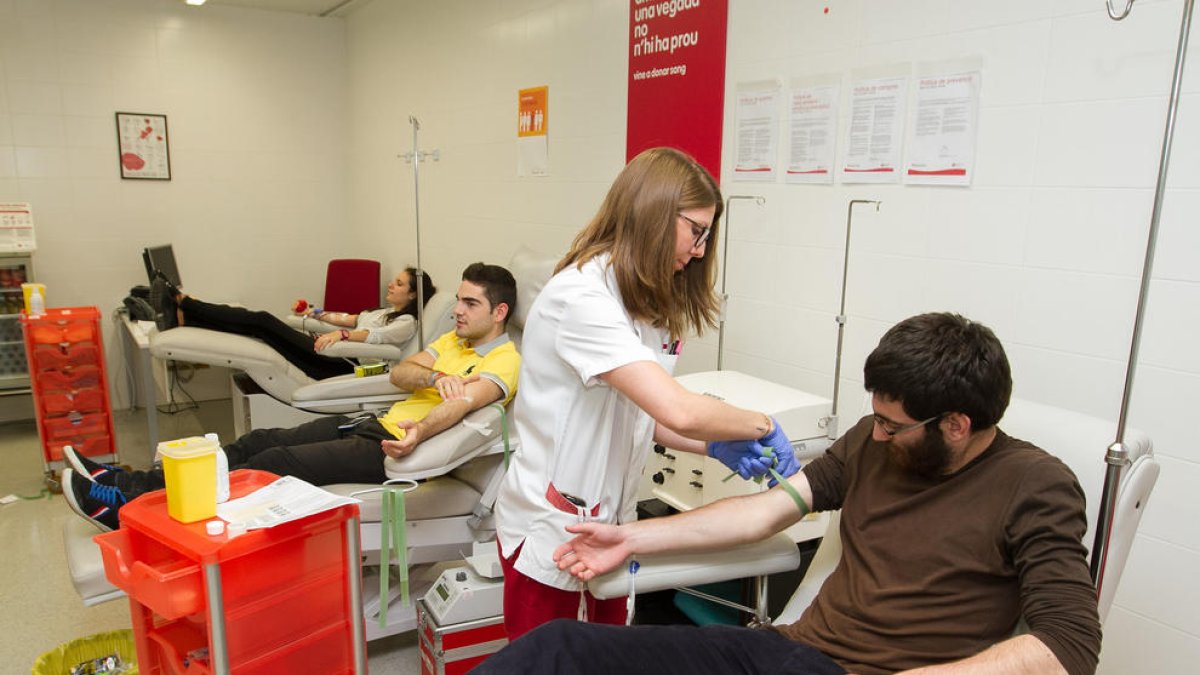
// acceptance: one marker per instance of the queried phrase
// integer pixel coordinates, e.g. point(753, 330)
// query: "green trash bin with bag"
point(110, 653)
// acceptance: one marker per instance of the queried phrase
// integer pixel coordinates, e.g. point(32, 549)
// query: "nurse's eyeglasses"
point(699, 230)
point(892, 429)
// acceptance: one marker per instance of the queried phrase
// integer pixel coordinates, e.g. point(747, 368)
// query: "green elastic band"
point(503, 430)
point(393, 524)
point(792, 491)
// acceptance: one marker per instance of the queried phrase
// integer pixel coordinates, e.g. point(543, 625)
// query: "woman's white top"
point(579, 436)
point(379, 331)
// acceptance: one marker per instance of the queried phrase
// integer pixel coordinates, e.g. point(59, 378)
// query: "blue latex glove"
point(745, 458)
point(782, 453)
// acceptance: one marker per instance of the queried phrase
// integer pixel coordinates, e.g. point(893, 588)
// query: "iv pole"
point(831, 422)
point(1117, 456)
point(415, 158)
point(725, 268)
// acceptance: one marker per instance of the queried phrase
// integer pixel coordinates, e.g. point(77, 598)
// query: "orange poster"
point(532, 114)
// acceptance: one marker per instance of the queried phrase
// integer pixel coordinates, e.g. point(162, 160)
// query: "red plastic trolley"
point(285, 599)
point(65, 350)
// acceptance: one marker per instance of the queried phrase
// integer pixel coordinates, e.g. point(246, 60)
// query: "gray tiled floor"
point(41, 609)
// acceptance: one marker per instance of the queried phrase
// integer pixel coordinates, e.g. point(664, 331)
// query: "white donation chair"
point(282, 380)
point(459, 472)
point(1079, 440)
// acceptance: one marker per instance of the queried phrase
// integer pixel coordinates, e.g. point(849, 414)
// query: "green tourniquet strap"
point(503, 430)
point(792, 492)
point(783, 483)
point(394, 527)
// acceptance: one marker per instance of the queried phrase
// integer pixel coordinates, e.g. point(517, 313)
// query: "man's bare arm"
point(1020, 655)
point(414, 372)
point(600, 547)
point(478, 393)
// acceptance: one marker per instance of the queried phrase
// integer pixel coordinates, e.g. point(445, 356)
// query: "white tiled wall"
point(286, 130)
point(1046, 246)
point(257, 114)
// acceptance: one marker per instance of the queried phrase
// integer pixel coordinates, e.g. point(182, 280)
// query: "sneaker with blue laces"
point(96, 472)
point(96, 503)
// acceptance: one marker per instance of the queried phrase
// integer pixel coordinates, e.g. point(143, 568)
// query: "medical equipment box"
point(284, 599)
point(454, 649)
point(65, 350)
point(460, 595)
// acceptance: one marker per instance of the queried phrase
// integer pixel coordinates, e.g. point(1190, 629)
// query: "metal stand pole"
point(831, 422)
point(354, 589)
point(416, 157)
point(724, 269)
point(1117, 456)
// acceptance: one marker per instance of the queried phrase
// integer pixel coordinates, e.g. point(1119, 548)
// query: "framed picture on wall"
point(142, 146)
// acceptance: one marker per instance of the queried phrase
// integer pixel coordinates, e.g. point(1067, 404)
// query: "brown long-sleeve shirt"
point(935, 570)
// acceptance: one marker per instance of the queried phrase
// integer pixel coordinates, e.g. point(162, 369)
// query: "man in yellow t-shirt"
point(466, 369)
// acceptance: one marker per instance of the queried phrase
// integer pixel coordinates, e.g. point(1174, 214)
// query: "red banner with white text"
point(677, 77)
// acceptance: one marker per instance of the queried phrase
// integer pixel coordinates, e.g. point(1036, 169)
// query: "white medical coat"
point(577, 434)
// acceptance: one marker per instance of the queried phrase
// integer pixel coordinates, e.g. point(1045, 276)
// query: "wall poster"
point(874, 137)
point(533, 125)
point(677, 78)
point(142, 146)
point(943, 131)
point(813, 132)
point(757, 137)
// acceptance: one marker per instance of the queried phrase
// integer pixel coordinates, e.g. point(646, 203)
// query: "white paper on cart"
point(288, 498)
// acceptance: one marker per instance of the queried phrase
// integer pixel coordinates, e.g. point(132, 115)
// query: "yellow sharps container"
point(190, 468)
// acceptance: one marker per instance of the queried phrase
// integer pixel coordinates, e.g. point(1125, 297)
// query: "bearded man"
point(952, 533)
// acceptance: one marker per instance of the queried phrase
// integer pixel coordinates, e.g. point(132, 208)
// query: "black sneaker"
point(96, 503)
point(104, 474)
point(162, 300)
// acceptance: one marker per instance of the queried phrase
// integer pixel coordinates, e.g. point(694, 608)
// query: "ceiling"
point(310, 7)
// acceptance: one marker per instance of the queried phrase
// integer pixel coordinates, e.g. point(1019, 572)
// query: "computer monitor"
point(161, 259)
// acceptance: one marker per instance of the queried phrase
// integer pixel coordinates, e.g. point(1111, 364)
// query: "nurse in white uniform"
point(596, 391)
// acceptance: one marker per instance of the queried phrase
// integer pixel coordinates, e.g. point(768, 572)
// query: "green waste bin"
point(61, 659)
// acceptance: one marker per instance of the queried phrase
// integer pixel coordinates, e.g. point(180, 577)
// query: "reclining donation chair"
point(459, 470)
point(279, 378)
point(1077, 439)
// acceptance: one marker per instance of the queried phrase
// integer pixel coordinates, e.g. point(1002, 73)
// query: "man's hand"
point(597, 548)
point(746, 458)
point(405, 446)
point(453, 387)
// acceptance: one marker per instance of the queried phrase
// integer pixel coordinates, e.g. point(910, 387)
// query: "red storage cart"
point(286, 599)
point(65, 350)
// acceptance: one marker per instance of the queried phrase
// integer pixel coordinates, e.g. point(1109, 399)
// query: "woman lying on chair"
point(395, 324)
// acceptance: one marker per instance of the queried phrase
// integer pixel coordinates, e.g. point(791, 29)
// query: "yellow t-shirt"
point(496, 360)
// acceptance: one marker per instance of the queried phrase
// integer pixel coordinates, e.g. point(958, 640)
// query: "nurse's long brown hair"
point(637, 224)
